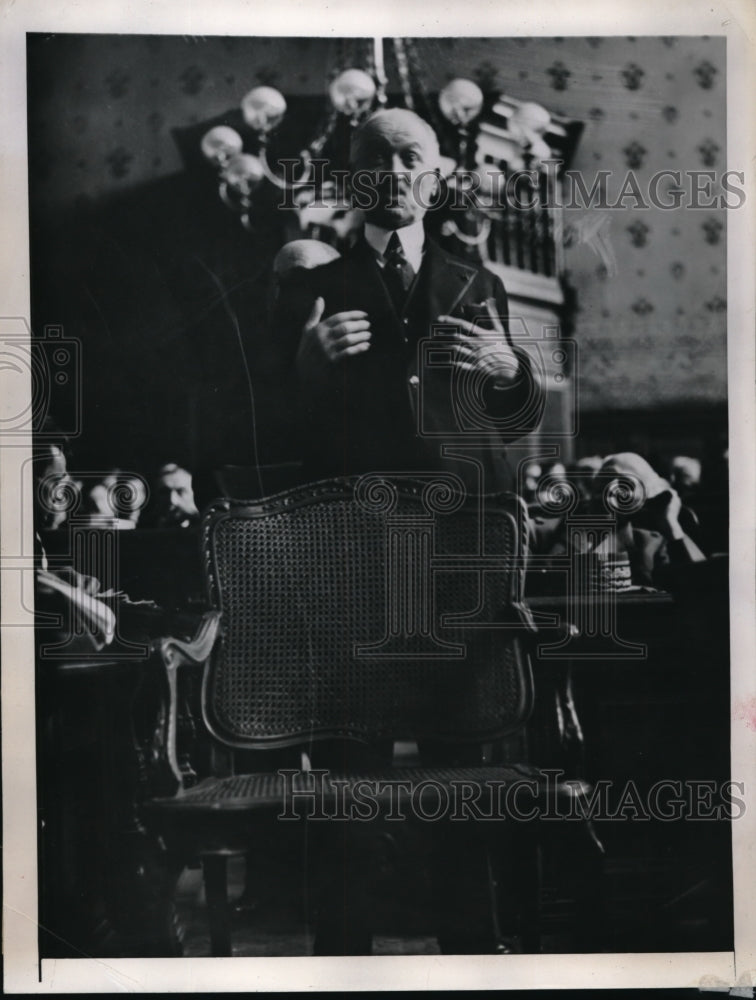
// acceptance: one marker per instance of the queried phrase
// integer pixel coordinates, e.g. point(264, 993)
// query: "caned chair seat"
point(435, 790)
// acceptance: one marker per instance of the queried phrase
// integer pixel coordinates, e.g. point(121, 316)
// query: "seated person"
point(529, 487)
point(173, 492)
point(115, 501)
point(646, 543)
point(88, 623)
point(685, 476)
point(582, 471)
point(74, 611)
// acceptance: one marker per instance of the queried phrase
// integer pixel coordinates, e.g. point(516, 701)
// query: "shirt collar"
point(411, 237)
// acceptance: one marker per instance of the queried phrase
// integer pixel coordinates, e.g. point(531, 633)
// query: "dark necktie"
point(397, 273)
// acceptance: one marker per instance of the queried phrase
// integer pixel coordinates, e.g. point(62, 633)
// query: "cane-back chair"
point(361, 609)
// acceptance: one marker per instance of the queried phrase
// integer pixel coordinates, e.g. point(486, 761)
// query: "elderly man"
point(391, 351)
point(376, 394)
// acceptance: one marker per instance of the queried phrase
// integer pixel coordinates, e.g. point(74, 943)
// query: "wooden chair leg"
point(218, 911)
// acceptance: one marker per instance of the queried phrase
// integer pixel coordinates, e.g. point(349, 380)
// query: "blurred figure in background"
point(55, 491)
point(650, 533)
point(132, 498)
point(531, 475)
point(685, 476)
point(549, 528)
point(173, 494)
point(115, 501)
point(291, 261)
point(275, 462)
point(581, 473)
point(97, 501)
point(554, 471)
point(68, 605)
point(303, 254)
point(651, 538)
point(542, 483)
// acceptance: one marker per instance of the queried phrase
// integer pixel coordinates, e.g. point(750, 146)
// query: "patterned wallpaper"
point(101, 108)
point(653, 331)
point(651, 320)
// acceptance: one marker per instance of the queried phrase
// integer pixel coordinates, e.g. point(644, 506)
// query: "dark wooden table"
point(106, 886)
point(647, 695)
point(644, 704)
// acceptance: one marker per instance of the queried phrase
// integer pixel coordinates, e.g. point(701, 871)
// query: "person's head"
point(530, 476)
point(55, 492)
point(628, 485)
point(589, 464)
point(99, 499)
point(292, 261)
point(298, 256)
point(555, 471)
point(174, 496)
point(582, 473)
point(302, 254)
point(132, 496)
point(395, 163)
point(685, 473)
point(115, 499)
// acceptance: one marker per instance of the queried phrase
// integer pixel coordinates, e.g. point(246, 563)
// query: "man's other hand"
point(477, 349)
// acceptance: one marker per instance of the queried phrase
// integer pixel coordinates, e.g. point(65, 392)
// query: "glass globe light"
point(530, 118)
point(325, 210)
point(460, 101)
point(352, 92)
point(528, 125)
point(243, 173)
point(220, 144)
point(263, 109)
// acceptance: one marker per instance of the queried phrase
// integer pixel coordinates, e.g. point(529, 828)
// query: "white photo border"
point(23, 971)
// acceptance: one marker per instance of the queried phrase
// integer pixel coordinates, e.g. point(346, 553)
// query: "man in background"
point(175, 506)
point(68, 604)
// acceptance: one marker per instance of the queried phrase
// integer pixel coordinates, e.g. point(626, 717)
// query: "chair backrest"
point(366, 609)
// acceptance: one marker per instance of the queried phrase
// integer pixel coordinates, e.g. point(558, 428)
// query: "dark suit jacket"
point(393, 407)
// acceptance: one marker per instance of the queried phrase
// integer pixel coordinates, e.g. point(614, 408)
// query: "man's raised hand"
point(334, 338)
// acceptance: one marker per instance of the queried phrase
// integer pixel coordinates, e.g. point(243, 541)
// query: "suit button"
point(414, 381)
point(405, 321)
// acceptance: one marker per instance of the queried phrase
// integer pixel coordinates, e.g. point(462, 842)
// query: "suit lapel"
point(447, 281)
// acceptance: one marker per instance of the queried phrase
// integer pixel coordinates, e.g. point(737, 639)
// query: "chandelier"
point(354, 93)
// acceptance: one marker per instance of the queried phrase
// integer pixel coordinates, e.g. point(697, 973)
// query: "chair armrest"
point(533, 632)
point(175, 653)
point(180, 652)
